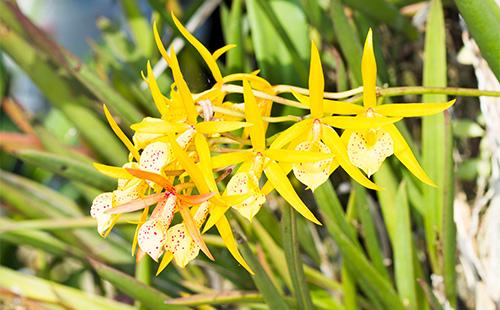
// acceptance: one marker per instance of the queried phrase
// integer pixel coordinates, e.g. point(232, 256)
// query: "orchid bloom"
point(260, 160)
point(320, 137)
point(368, 147)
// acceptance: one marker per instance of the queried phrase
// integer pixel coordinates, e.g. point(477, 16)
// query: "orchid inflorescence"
point(177, 163)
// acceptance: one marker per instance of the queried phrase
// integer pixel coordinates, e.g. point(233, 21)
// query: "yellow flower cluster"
point(178, 162)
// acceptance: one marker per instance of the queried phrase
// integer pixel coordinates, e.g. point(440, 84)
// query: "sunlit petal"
point(222, 50)
point(193, 224)
point(246, 183)
point(119, 133)
point(359, 121)
point(252, 113)
point(155, 157)
point(228, 159)
point(369, 155)
point(316, 83)
point(313, 174)
point(291, 133)
point(158, 98)
point(337, 146)
point(369, 72)
point(205, 54)
point(277, 177)
point(212, 127)
point(405, 155)
point(296, 156)
point(152, 238)
point(100, 204)
point(412, 109)
point(227, 236)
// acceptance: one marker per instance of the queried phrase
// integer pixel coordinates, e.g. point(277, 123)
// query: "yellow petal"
point(119, 133)
point(222, 50)
point(227, 236)
point(316, 83)
point(405, 155)
point(112, 171)
point(152, 238)
point(100, 204)
point(130, 193)
point(180, 244)
point(155, 92)
point(205, 161)
point(127, 180)
point(155, 157)
point(158, 126)
point(291, 133)
point(159, 44)
point(187, 97)
point(277, 177)
point(313, 174)
point(369, 73)
point(295, 156)
point(205, 54)
point(191, 168)
point(369, 155)
point(252, 113)
point(166, 259)
point(246, 183)
point(229, 159)
point(412, 109)
point(359, 121)
point(212, 127)
point(185, 138)
point(246, 76)
point(337, 146)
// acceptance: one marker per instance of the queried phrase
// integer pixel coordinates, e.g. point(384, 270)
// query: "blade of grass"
point(382, 11)
point(349, 289)
point(437, 157)
point(348, 39)
point(47, 291)
point(147, 295)
point(62, 94)
point(69, 168)
point(376, 287)
point(294, 262)
point(40, 240)
point(269, 292)
point(217, 298)
point(287, 59)
point(403, 251)
point(139, 27)
point(369, 232)
point(233, 34)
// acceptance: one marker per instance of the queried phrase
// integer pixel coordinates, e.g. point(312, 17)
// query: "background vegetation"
point(409, 246)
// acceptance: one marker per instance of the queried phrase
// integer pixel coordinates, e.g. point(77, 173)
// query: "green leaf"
point(378, 288)
point(293, 259)
point(69, 168)
point(139, 27)
point(483, 20)
point(270, 293)
point(218, 298)
point(282, 24)
point(348, 39)
point(437, 160)
point(404, 256)
point(147, 295)
point(384, 12)
point(54, 293)
point(40, 240)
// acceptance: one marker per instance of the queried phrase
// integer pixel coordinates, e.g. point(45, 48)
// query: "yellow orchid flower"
point(368, 146)
point(260, 160)
point(320, 137)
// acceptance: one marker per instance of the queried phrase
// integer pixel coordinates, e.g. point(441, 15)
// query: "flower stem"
point(420, 90)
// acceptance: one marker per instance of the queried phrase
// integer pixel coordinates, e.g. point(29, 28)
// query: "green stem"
point(420, 90)
point(292, 256)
